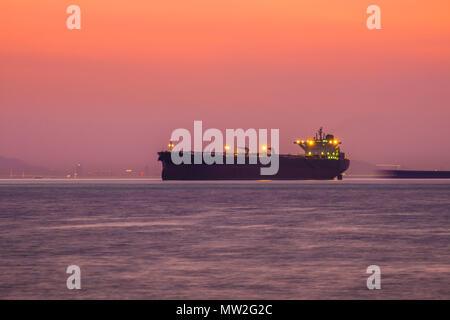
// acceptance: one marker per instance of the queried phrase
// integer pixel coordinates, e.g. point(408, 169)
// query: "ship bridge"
point(322, 146)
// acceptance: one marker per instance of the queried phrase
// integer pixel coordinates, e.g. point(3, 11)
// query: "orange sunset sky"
point(112, 92)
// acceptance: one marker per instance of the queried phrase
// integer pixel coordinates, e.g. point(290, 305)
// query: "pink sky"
point(112, 92)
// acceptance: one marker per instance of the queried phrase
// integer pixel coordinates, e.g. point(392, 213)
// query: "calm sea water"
point(224, 240)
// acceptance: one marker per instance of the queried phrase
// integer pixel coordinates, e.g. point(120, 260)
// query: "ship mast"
point(319, 134)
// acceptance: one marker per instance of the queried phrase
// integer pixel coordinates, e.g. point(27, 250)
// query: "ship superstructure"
point(322, 146)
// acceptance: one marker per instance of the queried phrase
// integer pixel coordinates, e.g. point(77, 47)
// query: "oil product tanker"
point(322, 160)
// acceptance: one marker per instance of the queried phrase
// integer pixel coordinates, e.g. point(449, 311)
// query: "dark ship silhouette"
point(322, 160)
point(414, 174)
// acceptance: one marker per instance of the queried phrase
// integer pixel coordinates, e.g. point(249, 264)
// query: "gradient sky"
point(112, 92)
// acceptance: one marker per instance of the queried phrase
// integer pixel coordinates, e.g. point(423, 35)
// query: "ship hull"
point(291, 167)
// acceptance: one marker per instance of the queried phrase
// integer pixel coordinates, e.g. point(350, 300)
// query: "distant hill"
point(18, 166)
point(11, 163)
